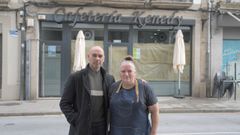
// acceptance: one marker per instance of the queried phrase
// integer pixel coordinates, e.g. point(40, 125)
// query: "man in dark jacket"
point(84, 101)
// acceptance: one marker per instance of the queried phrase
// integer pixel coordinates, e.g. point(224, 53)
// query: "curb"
point(199, 111)
point(161, 111)
point(30, 114)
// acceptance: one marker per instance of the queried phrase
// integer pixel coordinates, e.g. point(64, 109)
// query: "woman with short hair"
point(131, 101)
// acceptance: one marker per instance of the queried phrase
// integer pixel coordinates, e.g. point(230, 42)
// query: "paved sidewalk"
point(167, 105)
point(193, 104)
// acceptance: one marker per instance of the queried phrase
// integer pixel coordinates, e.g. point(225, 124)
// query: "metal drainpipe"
point(22, 82)
point(209, 49)
point(28, 60)
point(25, 60)
point(23, 57)
point(28, 70)
point(22, 73)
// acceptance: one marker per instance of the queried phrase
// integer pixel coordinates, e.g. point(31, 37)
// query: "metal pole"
point(42, 93)
point(23, 56)
point(22, 73)
point(235, 82)
point(209, 49)
point(178, 91)
point(28, 71)
point(111, 59)
point(179, 84)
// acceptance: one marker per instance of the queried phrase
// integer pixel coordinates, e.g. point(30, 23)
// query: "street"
point(170, 124)
point(33, 125)
point(199, 124)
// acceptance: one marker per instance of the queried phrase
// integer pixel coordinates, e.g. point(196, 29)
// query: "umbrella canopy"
point(179, 53)
point(79, 55)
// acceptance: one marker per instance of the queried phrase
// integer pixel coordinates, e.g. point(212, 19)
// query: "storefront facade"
point(150, 44)
point(148, 35)
point(227, 41)
point(231, 42)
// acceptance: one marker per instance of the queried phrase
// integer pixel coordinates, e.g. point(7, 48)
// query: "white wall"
point(10, 57)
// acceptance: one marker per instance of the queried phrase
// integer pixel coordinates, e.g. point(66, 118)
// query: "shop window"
point(154, 37)
point(54, 35)
point(230, 57)
point(159, 36)
point(96, 35)
point(153, 53)
point(93, 37)
point(187, 36)
point(118, 36)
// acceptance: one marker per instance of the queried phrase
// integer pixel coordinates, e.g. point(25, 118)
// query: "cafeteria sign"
point(137, 17)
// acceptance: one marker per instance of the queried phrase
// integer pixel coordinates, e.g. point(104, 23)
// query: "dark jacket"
point(76, 100)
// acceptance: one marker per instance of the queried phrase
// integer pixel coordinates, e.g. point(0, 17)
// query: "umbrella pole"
point(178, 94)
point(179, 84)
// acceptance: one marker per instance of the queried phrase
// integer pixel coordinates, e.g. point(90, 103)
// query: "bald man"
point(84, 101)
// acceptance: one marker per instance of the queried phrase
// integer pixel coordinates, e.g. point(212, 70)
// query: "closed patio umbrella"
point(79, 56)
point(179, 58)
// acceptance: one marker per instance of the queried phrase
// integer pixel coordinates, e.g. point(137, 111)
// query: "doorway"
point(54, 58)
point(117, 47)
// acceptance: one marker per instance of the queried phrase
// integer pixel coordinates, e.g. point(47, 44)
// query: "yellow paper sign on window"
point(136, 53)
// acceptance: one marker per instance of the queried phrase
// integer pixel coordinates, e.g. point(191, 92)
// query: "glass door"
point(51, 70)
point(116, 55)
point(51, 59)
point(117, 47)
point(55, 57)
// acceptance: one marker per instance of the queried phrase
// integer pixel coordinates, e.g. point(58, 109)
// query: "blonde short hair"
point(129, 60)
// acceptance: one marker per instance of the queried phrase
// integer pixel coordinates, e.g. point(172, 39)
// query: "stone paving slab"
point(190, 104)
